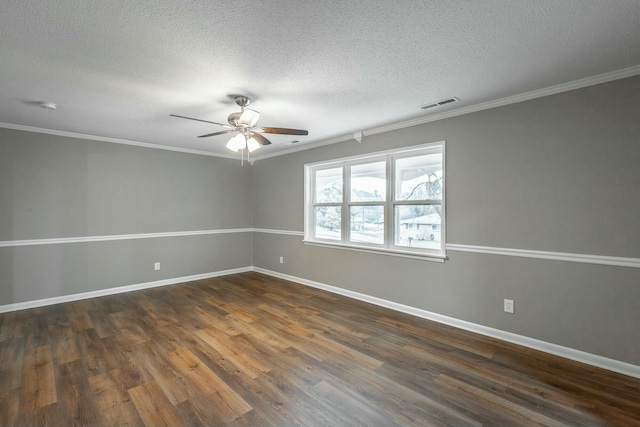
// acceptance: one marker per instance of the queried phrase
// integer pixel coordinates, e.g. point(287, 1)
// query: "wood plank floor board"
point(11, 362)
point(113, 405)
point(78, 316)
point(9, 407)
point(405, 403)
point(131, 370)
point(203, 382)
point(75, 406)
point(14, 324)
point(429, 338)
point(217, 362)
point(298, 402)
point(102, 323)
point(257, 332)
point(189, 415)
point(568, 413)
point(373, 386)
point(172, 384)
point(38, 388)
point(279, 400)
point(581, 382)
point(491, 399)
point(537, 392)
point(245, 363)
point(298, 366)
point(474, 372)
point(64, 344)
point(252, 350)
point(7, 323)
point(94, 354)
point(153, 406)
point(349, 406)
point(270, 395)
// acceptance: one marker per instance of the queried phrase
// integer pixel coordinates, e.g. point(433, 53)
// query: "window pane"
point(419, 177)
point(328, 221)
point(367, 224)
point(368, 183)
point(329, 185)
point(418, 226)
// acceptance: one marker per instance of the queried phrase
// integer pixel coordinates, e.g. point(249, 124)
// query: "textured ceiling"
point(117, 69)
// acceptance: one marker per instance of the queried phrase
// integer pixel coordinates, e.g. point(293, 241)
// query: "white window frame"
point(389, 204)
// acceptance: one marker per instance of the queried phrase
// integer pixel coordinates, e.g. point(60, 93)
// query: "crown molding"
point(539, 93)
point(563, 87)
point(112, 140)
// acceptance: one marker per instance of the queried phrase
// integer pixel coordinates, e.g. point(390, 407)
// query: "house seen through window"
point(390, 202)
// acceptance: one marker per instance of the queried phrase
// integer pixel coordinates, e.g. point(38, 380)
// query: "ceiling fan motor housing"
point(233, 119)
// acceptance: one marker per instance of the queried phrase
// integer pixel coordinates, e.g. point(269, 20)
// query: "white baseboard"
point(558, 350)
point(121, 289)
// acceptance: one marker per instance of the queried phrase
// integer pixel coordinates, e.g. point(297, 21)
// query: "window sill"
point(380, 251)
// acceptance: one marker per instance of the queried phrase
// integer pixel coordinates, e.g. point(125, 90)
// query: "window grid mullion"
point(389, 214)
point(376, 203)
point(346, 197)
point(416, 202)
point(335, 205)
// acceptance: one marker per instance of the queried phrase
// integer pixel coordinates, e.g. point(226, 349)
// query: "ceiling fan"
point(244, 125)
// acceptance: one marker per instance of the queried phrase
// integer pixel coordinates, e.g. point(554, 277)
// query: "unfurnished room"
point(320, 213)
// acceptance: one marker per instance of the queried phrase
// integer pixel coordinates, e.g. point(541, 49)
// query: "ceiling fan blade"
point(261, 139)
point(284, 131)
point(222, 132)
point(249, 118)
point(200, 120)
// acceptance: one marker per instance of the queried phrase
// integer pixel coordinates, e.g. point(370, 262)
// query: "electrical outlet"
point(156, 266)
point(281, 260)
point(508, 306)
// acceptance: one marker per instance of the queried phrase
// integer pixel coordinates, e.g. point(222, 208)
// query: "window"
point(385, 202)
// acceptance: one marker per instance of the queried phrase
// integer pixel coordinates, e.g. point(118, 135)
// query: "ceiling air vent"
point(439, 103)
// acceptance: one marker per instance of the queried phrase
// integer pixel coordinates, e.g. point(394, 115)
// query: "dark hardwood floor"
point(252, 350)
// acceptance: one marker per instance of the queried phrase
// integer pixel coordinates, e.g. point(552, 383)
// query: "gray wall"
point(556, 174)
point(559, 174)
point(58, 187)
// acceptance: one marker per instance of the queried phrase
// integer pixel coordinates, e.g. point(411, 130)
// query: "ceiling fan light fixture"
point(237, 143)
point(252, 144)
point(231, 146)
